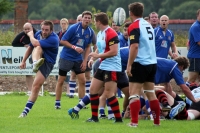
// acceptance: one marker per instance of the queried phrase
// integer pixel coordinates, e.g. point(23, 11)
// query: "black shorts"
point(141, 73)
point(65, 66)
point(87, 68)
point(122, 80)
point(195, 106)
point(194, 65)
point(106, 76)
point(46, 69)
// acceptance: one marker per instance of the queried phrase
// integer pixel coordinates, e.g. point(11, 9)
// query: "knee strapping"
point(134, 96)
point(149, 91)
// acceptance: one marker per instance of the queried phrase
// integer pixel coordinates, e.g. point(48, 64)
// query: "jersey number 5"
point(149, 32)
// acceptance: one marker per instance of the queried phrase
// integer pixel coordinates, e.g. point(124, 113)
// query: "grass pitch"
point(43, 118)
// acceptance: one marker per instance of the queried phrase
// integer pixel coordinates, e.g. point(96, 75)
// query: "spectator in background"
point(64, 26)
point(23, 40)
point(164, 39)
point(153, 19)
point(194, 50)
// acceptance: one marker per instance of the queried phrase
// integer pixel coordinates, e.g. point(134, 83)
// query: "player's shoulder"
point(109, 30)
point(135, 24)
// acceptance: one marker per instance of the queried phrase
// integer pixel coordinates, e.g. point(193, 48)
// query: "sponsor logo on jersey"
point(132, 37)
point(111, 43)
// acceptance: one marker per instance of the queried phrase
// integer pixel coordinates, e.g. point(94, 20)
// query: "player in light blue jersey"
point(106, 74)
point(164, 39)
point(141, 67)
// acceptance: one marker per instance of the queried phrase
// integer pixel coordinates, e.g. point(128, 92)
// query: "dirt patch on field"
point(17, 83)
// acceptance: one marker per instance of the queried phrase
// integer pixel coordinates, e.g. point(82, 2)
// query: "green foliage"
point(6, 38)
point(5, 6)
point(185, 11)
point(57, 9)
point(181, 40)
point(43, 118)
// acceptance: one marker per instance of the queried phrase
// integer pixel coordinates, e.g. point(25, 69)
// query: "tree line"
point(57, 9)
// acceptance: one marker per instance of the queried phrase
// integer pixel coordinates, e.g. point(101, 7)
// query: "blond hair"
point(64, 19)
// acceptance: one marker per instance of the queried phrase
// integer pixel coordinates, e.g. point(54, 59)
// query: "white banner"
point(11, 57)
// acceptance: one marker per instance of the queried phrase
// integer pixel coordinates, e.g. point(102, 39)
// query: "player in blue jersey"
point(123, 38)
point(141, 67)
point(72, 82)
point(76, 40)
point(167, 70)
point(164, 39)
point(106, 75)
point(44, 45)
point(194, 50)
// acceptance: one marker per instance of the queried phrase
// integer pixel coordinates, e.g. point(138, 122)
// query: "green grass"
point(43, 118)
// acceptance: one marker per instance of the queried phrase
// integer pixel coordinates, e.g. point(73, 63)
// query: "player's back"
point(146, 53)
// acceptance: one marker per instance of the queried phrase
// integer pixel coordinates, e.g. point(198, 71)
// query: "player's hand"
point(94, 55)
point(128, 71)
point(79, 50)
point(30, 33)
point(90, 63)
point(22, 65)
point(83, 66)
point(174, 55)
point(197, 99)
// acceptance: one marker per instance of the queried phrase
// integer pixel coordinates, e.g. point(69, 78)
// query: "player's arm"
point(134, 43)
point(174, 50)
point(187, 92)
point(34, 41)
point(26, 55)
point(113, 45)
point(86, 53)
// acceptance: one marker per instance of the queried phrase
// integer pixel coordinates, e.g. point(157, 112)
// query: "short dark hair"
point(102, 17)
point(86, 13)
point(136, 8)
point(49, 23)
point(198, 11)
point(182, 61)
point(152, 13)
point(127, 24)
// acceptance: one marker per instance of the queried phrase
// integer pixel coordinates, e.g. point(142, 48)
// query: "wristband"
point(73, 47)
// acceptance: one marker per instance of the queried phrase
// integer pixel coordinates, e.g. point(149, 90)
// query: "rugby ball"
point(119, 16)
